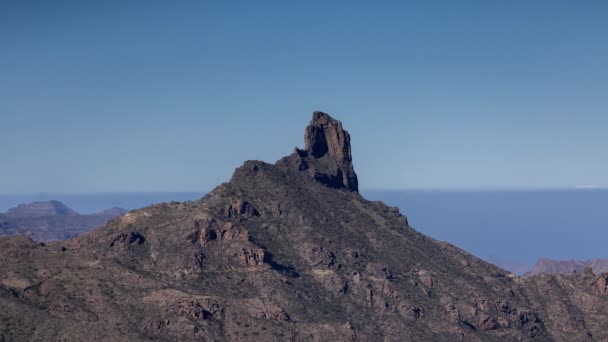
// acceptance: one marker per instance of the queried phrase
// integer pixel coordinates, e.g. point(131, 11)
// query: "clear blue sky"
point(173, 96)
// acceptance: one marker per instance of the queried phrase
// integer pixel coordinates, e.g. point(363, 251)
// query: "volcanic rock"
point(327, 153)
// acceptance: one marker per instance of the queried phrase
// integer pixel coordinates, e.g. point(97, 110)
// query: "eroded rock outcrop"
point(326, 155)
point(600, 285)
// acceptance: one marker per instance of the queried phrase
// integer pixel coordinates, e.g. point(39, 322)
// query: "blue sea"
point(509, 227)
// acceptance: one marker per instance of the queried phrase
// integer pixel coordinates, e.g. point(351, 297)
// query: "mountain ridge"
point(284, 251)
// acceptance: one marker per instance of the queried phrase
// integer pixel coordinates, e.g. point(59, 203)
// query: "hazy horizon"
point(175, 96)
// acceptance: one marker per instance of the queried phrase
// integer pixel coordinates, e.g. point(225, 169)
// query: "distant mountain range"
point(551, 266)
point(51, 220)
point(546, 265)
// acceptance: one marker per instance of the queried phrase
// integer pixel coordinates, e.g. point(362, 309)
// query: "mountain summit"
point(282, 252)
point(327, 155)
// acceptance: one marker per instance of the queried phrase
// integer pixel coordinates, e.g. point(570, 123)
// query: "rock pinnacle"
point(327, 153)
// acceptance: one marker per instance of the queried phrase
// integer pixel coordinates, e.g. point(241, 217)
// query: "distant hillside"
point(40, 209)
point(51, 220)
point(546, 265)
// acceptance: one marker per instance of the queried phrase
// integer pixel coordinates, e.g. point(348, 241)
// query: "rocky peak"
point(325, 135)
point(326, 155)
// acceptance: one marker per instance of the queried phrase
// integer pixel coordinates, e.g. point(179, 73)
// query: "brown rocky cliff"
point(326, 135)
point(326, 155)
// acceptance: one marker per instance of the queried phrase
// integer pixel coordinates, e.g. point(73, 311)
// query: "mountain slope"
point(289, 251)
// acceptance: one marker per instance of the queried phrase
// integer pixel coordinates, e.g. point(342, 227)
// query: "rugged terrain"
point(51, 220)
point(282, 252)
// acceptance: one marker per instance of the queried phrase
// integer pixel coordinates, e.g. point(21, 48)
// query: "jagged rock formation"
point(546, 265)
point(51, 220)
point(280, 253)
point(326, 156)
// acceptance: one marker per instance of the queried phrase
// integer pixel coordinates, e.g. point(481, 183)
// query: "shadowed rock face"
point(325, 135)
point(282, 253)
point(327, 154)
